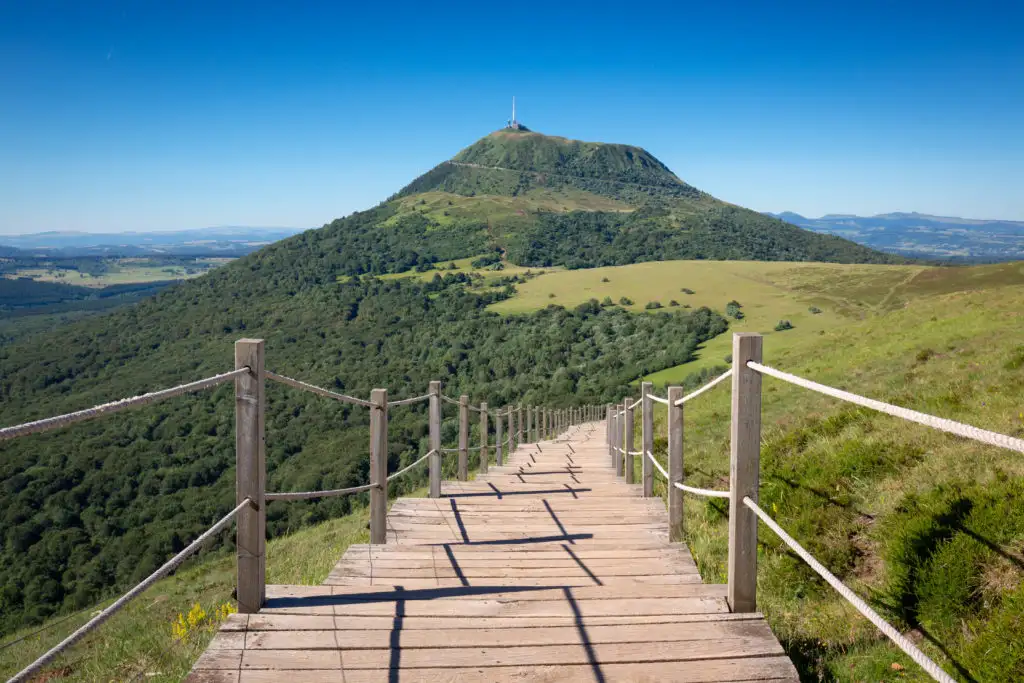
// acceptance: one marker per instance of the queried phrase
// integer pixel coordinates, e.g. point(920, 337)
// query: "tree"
point(783, 325)
point(625, 301)
point(652, 305)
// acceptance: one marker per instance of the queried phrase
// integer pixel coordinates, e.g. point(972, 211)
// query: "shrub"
point(604, 279)
point(814, 310)
point(783, 325)
point(686, 290)
point(625, 301)
point(651, 305)
point(551, 295)
point(673, 303)
point(607, 301)
point(452, 266)
point(732, 309)
point(924, 354)
point(728, 359)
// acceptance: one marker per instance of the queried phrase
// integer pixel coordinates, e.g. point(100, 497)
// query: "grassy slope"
point(139, 641)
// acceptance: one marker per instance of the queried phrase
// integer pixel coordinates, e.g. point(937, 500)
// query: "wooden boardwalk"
point(546, 569)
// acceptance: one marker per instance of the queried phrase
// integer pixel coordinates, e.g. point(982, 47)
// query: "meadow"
point(120, 271)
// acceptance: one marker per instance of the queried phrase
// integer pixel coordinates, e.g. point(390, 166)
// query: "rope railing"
point(949, 426)
point(635, 403)
point(707, 493)
point(901, 641)
point(407, 401)
point(410, 466)
point(57, 421)
point(657, 464)
point(698, 392)
point(34, 668)
point(448, 399)
point(306, 495)
point(315, 389)
point(657, 399)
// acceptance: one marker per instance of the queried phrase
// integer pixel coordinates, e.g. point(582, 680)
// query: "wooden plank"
point(443, 638)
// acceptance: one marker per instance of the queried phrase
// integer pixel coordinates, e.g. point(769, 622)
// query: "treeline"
point(654, 233)
point(97, 506)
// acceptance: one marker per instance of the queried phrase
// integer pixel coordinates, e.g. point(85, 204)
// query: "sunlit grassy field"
point(768, 292)
point(120, 274)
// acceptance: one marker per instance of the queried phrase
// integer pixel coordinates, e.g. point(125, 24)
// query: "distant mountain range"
point(922, 235)
point(223, 241)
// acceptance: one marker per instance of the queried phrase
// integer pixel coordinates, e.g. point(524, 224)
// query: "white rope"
point(662, 401)
point(941, 423)
point(895, 636)
point(48, 423)
point(315, 389)
point(407, 401)
point(684, 399)
point(450, 400)
point(409, 467)
point(33, 668)
point(474, 408)
point(305, 495)
point(635, 403)
point(710, 493)
point(635, 452)
point(449, 450)
point(657, 464)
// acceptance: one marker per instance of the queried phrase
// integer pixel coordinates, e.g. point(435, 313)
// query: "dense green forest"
point(103, 503)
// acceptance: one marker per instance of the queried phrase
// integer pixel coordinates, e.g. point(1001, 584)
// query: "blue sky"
point(158, 115)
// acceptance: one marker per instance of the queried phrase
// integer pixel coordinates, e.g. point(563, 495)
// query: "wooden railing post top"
point(464, 399)
point(434, 387)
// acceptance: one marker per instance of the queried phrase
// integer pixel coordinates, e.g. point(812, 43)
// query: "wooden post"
point(744, 475)
point(617, 418)
point(434, 420)
point(484, 456)
point(250, 477)
point(529, 417)
point(627, 437)
point(499, 458)
point(609, 432)
point(463, 472)
point(511, 430)
point(675, 464)
point(647, 437)
point(379, 465)
point(519, 424)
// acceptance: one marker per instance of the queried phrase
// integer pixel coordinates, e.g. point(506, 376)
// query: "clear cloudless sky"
point(171, 114)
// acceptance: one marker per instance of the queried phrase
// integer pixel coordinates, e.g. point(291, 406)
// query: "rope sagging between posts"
point(315, 389)
point(698, 392)
point(949, 426)
point(57, 421)
point(410, 466)
point(933, 669)
point(657, 464)
point(33, 668)
point(662, 401)
point(305, 495)
point(707, 493)
point(407, 401)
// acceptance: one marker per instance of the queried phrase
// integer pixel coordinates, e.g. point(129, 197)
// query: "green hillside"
point(927, 527)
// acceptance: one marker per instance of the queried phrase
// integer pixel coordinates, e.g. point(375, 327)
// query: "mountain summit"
point(542, 200)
